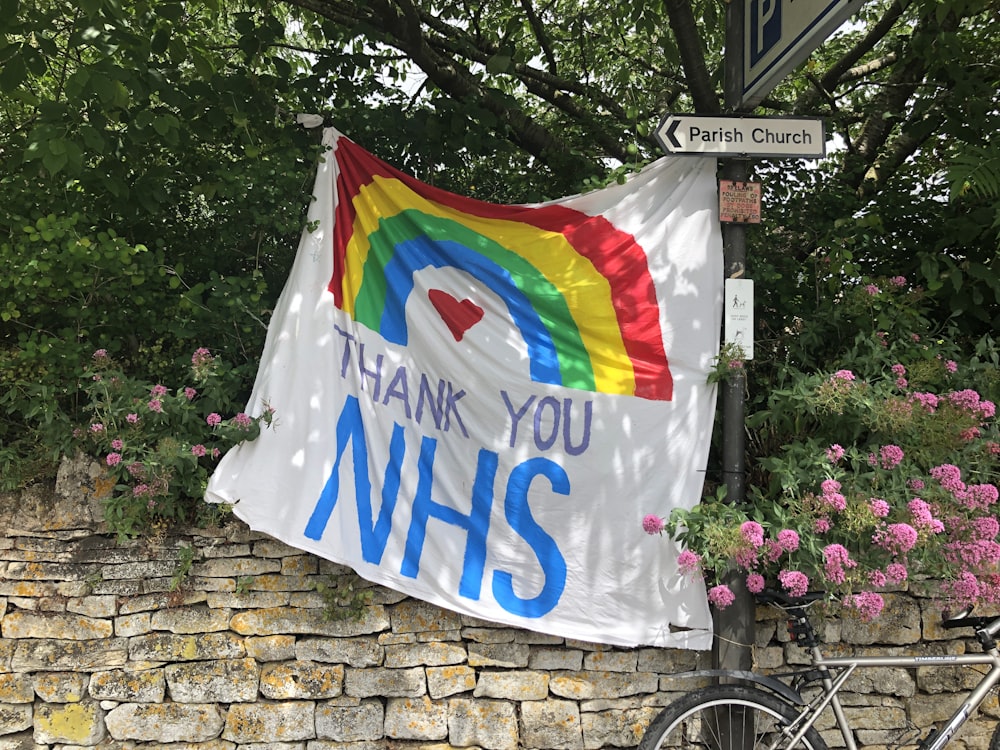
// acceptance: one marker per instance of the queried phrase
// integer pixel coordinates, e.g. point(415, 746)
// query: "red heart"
point(459, 316)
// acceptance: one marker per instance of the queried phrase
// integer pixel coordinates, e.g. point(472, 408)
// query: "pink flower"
point(155, 405)
point(877, 578)
point(898, 281)
point(213, 419)
point(216, 453)
point(132, 418)
point(835, 559)
point(117, 444)
point(140, 489)
point(868, 604)
point(100, 355)
point(158, 391)
point(915, 484)
point(898, 370)
point(878, 507)
point(835, 500)
point(829, 486)
point(949, 477)
point(951, 366)
point(190, 393)
point(845, 375)
point(794, 582)
point(788, 540)
point(752, 533)
point(822, 525)
point(988, 409)
point(97, 427)
point(242, 420)
point(901, 383)
point(113, 459)
point(755, 583)
point(898, 538)
point(201, 357)
point(689, 562)
point(198, 450)
point(651, 524)
point(835, 452)
point(928, 400)
point(872, 290)
point(966, 588)
point(966, 399)
point(891, 455)
point(896, 572)
point(721, 596)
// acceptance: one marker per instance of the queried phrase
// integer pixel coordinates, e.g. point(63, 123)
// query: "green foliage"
point(344, 597)
point(185, 561)
point(159, 447)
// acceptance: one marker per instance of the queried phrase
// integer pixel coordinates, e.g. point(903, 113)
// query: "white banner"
point(477, 404)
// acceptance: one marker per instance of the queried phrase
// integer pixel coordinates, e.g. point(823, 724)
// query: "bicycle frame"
point(846, 666)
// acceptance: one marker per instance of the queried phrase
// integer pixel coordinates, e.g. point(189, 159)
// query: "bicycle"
point(753, 711)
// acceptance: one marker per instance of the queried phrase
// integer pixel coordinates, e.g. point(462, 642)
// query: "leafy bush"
point(887, 472)
point(160, 446)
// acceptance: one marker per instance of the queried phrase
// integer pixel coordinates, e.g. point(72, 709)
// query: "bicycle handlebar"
point(782, 599)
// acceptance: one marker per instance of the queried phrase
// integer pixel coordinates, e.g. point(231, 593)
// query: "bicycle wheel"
point(726, 717)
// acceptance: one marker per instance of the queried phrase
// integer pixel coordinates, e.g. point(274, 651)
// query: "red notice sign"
point(739, 202)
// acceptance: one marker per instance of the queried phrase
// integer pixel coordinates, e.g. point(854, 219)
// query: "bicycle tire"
point(995, 741)
point(698, 721)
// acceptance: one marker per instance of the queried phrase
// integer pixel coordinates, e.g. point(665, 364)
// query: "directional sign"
point(794, 137)
point(780, 34)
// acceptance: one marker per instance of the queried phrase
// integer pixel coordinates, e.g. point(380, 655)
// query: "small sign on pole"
point(739, 202)
point(739, 315)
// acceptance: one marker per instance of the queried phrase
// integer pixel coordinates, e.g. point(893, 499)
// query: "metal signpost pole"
point(734, 626)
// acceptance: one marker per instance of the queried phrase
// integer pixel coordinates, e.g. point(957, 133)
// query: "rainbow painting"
point(577, 288)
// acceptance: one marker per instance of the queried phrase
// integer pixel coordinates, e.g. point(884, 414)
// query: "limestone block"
point(898, 624)
point(147, 602)
point(390, 683)
point(616, 728)
point(271, 647)
point(270, 722)
point(164, 722)
point(355, 652)
point(235, 567)
point(301, 679)
point(16, 688)
point(93, 606)
point(227, 550)
point(488, 724)
point(273, 548)
point(555, 659)
point(307, 621)
point(247, 600)
point(127, 686)
point(589, 685)
point(60, 687)
point(364, 722)
point(46, 654)
point(191, 620)
point(611, 661)
point(927, 710)
point(137, 624)
point(551, 724)
point(282, 582)
point(445, 681)
point(432, 654)
point(510, 655)
point(416, 719)
point(414, 616)
point(882, 680)
point(70, 627)
point(218, 680)
point(69, 723)
point(19, 741)
point(14, 717)
point(170, 647)
point(516, 685)
point(299, 565)
point(667, 660)
point(139, 570)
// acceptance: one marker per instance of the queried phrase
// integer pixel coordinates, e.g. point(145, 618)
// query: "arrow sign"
point(777, 137)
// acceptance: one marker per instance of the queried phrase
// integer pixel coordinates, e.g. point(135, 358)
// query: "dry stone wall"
point(105, 644)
